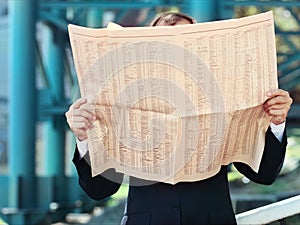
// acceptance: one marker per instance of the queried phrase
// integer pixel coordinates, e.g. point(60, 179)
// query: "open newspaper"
point(174, 103)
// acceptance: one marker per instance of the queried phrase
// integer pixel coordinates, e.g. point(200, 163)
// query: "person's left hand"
point(277, 105)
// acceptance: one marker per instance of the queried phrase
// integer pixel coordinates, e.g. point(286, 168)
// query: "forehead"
point(182, 21)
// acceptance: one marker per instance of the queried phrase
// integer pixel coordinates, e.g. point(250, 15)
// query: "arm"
point(276, 106)
point(98, 187)
point(271, 163)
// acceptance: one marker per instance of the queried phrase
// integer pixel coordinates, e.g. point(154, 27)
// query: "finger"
point(277, 120)
point(81, 134)
point(71, 119)
point(278, 100)
point(275, 92)
point(281, 113)
point(78, 103)
point(83, 113)
point(79, 125)
point(79, 119)
point(277, 116)
point(276, 107)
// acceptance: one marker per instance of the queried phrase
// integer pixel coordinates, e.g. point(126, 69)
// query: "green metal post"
point(94, 17)
point(22, 104)
point(54, 128)
point(202, 10)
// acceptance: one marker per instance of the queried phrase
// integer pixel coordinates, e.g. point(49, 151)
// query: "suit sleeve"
point(98, 187)
point(271, 163)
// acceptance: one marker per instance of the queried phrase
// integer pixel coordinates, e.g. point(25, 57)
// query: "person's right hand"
point(79, 119)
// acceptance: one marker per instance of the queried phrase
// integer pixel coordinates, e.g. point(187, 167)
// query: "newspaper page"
point(174, 103)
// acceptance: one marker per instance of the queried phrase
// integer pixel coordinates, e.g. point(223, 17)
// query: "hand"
point(79, 119)
point(278, 105)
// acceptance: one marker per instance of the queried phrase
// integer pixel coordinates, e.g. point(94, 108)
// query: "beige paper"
point(175, 103)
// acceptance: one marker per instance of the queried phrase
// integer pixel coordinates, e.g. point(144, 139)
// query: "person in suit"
point(184, 203)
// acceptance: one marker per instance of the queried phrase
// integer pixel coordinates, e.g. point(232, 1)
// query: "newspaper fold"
point(175, 103)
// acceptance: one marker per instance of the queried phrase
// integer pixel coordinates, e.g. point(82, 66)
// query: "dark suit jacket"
point(201, 202)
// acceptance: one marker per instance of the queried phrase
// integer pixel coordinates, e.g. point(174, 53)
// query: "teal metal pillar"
point(94, 17)
point(22, 104)
point(202, 10)
point(54, 127)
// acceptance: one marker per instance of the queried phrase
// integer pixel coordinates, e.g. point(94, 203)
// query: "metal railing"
point(270, 213)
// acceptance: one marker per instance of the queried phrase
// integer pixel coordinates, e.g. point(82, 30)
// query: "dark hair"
point(170, 19)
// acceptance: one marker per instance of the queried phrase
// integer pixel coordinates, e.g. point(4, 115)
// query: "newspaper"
point(174, 103)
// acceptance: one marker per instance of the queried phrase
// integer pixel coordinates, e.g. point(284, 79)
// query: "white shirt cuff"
point(278, 130)
point(82, 147)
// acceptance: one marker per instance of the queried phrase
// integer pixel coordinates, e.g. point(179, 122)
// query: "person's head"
point(171, 19)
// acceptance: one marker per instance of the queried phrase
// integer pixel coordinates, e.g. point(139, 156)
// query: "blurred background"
point(38, 183)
